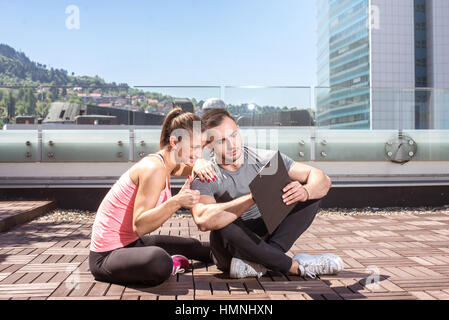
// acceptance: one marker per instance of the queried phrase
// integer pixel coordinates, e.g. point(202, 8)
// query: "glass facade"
point(422, 112)
point(343, 95)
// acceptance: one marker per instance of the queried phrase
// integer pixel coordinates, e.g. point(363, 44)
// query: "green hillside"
point(17, 69)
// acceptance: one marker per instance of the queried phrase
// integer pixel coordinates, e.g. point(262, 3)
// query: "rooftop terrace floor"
point(409, 253)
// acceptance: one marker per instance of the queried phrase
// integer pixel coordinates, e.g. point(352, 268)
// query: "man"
point(239, 240)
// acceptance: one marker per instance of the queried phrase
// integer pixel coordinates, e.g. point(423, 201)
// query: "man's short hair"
point(214, 117)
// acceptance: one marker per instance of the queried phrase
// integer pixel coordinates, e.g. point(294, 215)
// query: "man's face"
point(226, 141)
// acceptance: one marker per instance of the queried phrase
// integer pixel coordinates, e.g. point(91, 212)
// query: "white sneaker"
point(324, 264)
point(242, 269)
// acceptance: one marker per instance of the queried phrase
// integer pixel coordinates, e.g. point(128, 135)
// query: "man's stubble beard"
point(233, 159)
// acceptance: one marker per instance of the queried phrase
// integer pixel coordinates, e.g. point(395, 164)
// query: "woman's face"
point(188, 150)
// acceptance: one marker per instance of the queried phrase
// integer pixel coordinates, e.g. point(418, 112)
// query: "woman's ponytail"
point(176, 119)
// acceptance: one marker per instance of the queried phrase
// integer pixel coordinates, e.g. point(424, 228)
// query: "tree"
point(21, 108)
point(54, 91)
point(10, 105)
point(31, 102)
point(75, 99)
point(3, 109)
point(42, 107)
point(21, 94)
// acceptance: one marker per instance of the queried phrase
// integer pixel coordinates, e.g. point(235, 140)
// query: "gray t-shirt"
point(233, 184)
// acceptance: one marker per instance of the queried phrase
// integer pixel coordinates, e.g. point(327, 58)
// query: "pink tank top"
point(113, 225)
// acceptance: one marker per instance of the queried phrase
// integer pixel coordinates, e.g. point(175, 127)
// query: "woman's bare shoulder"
point(146, 167)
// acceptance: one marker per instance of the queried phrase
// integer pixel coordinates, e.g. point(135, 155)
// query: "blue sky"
point(171, 42)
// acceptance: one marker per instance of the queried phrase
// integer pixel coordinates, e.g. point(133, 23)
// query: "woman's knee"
point(157, 265)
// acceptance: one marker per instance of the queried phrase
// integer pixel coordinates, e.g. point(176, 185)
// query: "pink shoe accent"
point(180, 264)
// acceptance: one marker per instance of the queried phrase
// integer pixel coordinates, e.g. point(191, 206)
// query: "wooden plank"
point(99, 289)
point(27, 290)
point(81, 289)
point(48, 267)
point(219, 288)
point(115, 290)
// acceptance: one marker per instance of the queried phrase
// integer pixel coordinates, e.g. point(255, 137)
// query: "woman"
point(121, 250)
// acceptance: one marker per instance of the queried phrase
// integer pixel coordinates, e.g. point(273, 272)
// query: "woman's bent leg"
point(190, 247)
point(150, 265)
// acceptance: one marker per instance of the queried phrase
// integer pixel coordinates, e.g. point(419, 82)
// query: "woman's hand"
point(186, 197)
point(203, 169)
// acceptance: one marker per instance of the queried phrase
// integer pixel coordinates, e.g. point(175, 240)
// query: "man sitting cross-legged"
point(239, 240)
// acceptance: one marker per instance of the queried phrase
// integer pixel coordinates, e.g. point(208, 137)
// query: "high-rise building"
point(372, 54)
point(437, 13)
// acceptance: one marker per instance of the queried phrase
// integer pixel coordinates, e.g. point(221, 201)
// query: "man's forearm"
point(237, 206)
point(318, 184)
point(218, 215)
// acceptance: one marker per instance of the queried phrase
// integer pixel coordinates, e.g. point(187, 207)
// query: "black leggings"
point(146, 260)
point(249, 239)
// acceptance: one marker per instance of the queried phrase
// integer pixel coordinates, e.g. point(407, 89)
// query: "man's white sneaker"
point(242, 269)
point(324, 264)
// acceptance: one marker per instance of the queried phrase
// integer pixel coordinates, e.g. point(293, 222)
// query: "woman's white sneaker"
point(324, 264)
point(243, 269)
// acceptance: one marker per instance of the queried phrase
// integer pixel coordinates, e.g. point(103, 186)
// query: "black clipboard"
point(266, 189)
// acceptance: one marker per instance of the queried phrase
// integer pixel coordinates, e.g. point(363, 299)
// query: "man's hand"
point(294, 192)
point(187, 197)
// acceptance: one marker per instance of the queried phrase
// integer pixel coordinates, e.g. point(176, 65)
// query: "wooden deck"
point(13, 213)
point(408, 254)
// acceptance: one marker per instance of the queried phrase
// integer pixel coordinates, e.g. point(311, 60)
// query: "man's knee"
point(226, 232)
point(315, 202)
point(311, 206)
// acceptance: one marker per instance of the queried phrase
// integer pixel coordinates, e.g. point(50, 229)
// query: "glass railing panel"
point(161, 99)
point(283, 115)
point(68, 105)
point(146, 141)
point(439, 106)
point(85, 145)
point(430, 145)
point(382, 108)
point(294, 142)
point(408, 110)
point(18, 146)
point(431, 108)
point(353, 145)
point(343, 108)
point(270, 106)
